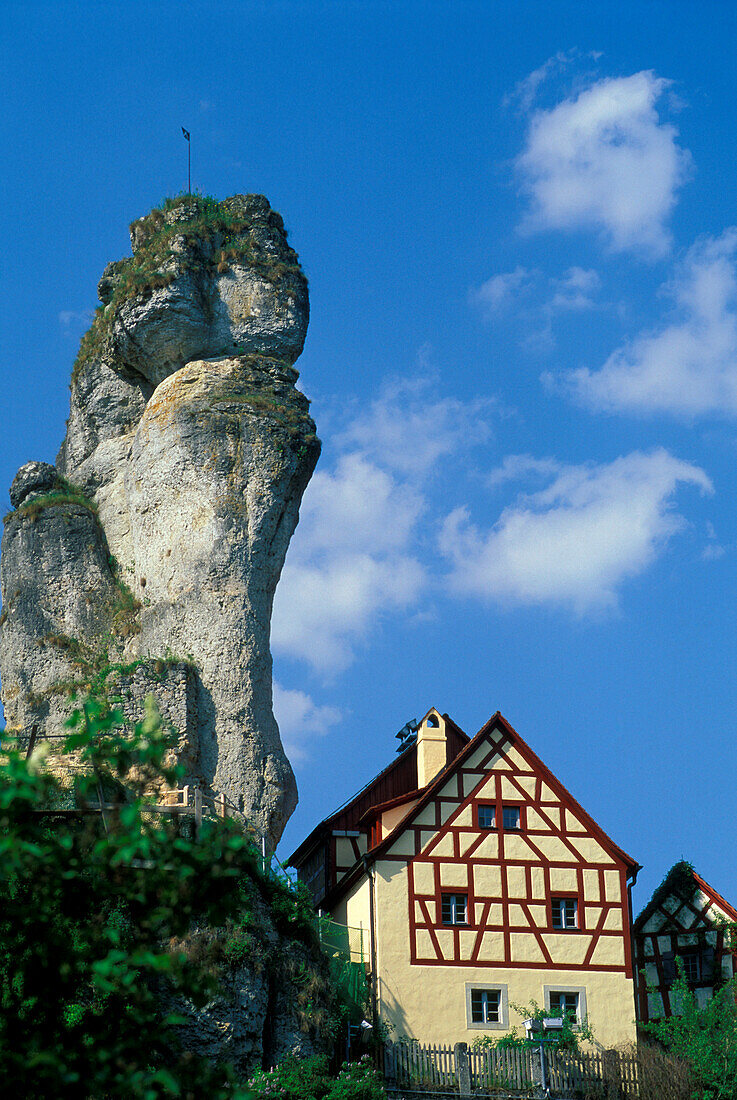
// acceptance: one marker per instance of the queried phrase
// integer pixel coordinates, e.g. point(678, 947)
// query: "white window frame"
point(503, 1024)
point(579, 989)
point(564, 926)
point(454, 922)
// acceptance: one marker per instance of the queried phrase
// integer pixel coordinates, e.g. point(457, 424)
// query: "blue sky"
point(518, 225)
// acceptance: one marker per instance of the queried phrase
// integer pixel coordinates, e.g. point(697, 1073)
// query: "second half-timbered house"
point(482, 884)
point(685, 926)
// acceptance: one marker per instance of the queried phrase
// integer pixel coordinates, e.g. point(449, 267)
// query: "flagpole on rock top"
point(189, 161)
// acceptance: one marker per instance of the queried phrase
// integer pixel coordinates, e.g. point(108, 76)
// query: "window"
point(564, 912)
point(487, 1007)
point(453, 908)
point(313, 873)
point(698, 965)
point(564, 1004)
point(566, 1000)
point(691, 967)
point(510, 817)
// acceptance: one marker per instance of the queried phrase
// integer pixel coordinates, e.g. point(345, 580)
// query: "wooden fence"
point(409, 1065)
point(610, 1073)
point(458, 1071)
point(505, 1069)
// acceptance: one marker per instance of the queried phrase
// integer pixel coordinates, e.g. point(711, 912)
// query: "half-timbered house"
point(688, 923)
point(482, 885)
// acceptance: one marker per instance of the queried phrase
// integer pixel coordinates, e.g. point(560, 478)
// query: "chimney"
point(432, 748)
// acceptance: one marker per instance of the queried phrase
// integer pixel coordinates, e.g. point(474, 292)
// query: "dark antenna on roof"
point(407, 735)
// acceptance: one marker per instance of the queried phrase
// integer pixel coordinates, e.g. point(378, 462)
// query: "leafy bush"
point(92, 911)
point(705, 1038)
point(309, 1079)
point(569, 1036)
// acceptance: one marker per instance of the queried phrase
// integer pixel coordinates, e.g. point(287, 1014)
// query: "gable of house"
point(541, 855)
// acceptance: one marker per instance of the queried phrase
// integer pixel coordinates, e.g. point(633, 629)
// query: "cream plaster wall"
point(344, 854)
point(429, 1002)
point(353, 910)
point(391, 818)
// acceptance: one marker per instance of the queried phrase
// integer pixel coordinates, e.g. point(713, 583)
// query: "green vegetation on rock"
point(137, 921)
point(190, 233)
point(64, 493)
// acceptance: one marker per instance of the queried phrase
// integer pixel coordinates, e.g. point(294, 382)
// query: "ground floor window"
point(567, 1001)
point(487, 1006)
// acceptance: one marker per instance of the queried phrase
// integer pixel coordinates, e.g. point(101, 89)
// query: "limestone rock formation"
point(157, 541)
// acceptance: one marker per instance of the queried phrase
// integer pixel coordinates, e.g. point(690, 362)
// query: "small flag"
point(186, 134)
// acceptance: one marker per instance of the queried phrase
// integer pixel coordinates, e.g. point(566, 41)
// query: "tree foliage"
point(704, 1037)
point(92, 910)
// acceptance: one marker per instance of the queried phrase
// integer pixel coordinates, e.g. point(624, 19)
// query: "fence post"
point(390, 1072)
point(220, 805)
point(197, 810)
point(463, 1069)
point(539, 1076)
point(185, 795)
point(611, 1073)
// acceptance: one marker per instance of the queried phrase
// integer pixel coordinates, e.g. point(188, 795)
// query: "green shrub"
point(92, 911)
point(705, 1038)
point(309, 1079)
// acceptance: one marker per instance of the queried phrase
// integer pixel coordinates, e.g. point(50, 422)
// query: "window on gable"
point(564, 913)
point(487, 817)
point(698, 965)
point(453, 908)
point(691, 966)
point(486, 1006)
point(565, 1004)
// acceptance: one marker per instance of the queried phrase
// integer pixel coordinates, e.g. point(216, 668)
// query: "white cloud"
point(687, 367)
point(351, 560)
point(575, 290)
point(301, 720)
point(538, 299)
point(498, 292)
point(407, 432)
point(520, 467)
point(355, 556)
point(526, 90)
point(604, 159)
point(574, 542)
point(77, 318)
